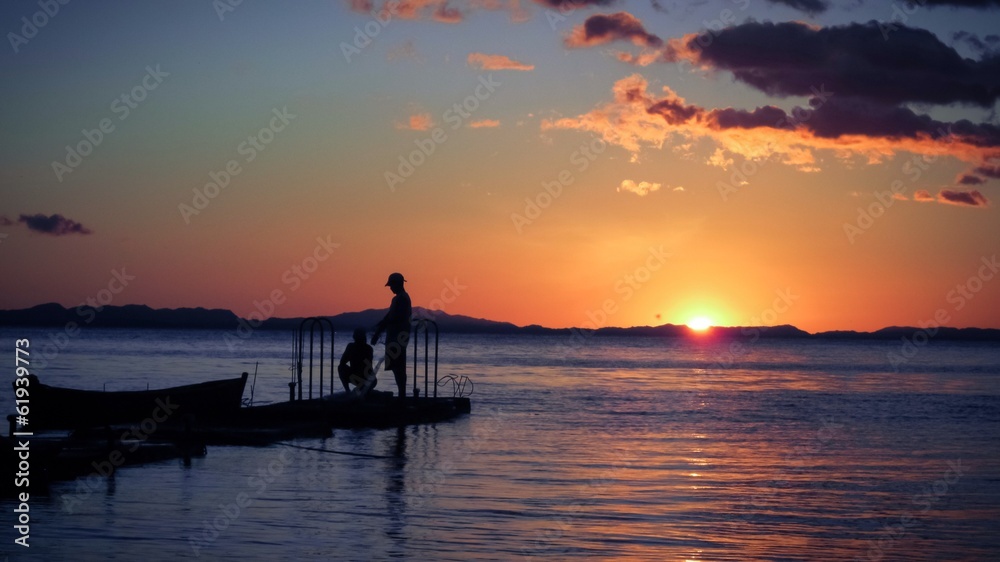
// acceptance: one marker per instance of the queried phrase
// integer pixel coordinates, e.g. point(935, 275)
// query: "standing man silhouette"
point(396, 326)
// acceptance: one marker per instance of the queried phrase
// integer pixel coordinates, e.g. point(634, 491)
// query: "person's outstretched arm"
point(380, 327)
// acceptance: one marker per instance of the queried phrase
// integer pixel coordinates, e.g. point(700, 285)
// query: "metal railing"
point(312, 325)
point(419, 326)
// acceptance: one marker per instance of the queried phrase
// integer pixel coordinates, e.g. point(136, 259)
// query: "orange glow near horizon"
point(619, 197)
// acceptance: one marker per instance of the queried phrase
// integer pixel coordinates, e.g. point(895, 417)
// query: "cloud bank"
point(860, 88)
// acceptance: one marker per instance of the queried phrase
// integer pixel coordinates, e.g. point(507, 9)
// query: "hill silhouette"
point(141, 316)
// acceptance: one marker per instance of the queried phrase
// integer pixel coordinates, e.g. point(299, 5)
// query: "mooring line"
point(334, 452)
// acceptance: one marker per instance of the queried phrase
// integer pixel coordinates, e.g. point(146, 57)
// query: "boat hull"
point(55, 407)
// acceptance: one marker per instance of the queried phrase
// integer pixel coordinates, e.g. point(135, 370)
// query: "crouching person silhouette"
point(356, 365)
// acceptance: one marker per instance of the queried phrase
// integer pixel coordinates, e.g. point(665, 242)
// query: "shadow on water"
point(395, 489)
point(413, 478)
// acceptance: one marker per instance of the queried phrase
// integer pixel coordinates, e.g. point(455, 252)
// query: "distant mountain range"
point(141, 316)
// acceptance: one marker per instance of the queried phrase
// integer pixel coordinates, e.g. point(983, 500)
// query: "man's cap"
point(395, 278)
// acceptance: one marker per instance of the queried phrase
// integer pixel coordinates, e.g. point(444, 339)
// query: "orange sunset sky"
point(815, 163)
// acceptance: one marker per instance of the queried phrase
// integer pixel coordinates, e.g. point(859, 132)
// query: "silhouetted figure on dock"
point(356, 364)
point(396, 326)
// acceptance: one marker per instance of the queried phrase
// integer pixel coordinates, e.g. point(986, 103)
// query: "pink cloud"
point(496, 62)
point(485, 123)
point(436, 10)
point(417, 122)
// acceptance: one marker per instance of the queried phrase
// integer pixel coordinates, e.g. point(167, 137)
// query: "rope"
point(334, 452)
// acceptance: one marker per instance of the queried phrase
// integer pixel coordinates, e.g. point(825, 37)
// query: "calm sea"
point(601, 448)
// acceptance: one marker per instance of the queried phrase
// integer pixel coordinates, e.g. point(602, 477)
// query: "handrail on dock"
point(312, 324)
point(422, 325)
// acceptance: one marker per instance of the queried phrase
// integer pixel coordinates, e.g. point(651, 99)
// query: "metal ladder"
point(419, 326)
point(313, 325)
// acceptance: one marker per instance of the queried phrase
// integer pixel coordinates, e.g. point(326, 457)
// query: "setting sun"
point(699, 323)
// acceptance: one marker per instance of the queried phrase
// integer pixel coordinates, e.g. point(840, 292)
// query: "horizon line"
point(529, 326)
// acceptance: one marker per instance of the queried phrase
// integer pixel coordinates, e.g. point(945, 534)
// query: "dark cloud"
point(840, 117)
point(981, 4)
point(953, 197)
point(807, 6)
point(855, 60)
point(820, 6)
point(982, 46)
point(968, 198)
point(969, 179)
point(605, 28)
point(989, 170)
point(767, 116)
point(674, 111)
point(56, 225)
point(835, 118)
point(985, 135)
